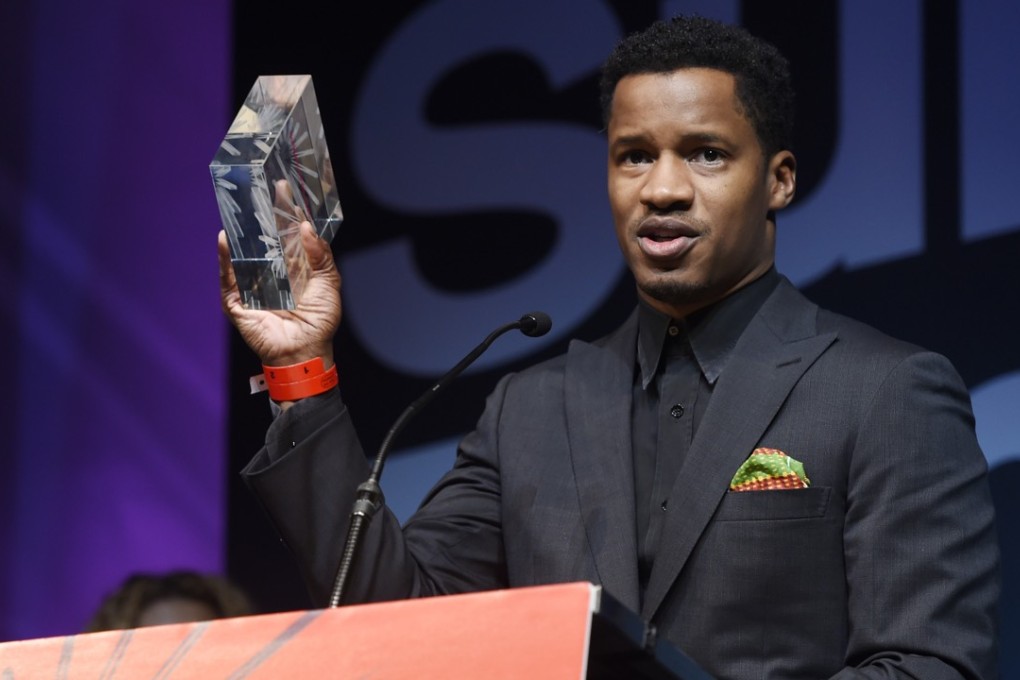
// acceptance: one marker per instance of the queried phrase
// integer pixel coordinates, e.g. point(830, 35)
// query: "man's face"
point(690, 188)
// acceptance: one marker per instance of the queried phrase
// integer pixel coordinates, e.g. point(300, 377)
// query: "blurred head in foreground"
point(175, 597)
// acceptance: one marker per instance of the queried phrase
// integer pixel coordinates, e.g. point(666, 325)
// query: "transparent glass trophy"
point(271, 172)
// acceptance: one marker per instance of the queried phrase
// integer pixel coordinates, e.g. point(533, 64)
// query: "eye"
point(709, 156)
point(635, 157)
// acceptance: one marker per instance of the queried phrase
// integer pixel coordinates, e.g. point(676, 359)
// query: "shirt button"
point(677, 410)
point(673, 331)
point(664, 504)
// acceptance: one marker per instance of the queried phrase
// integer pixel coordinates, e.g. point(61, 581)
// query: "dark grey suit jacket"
point(885, 567)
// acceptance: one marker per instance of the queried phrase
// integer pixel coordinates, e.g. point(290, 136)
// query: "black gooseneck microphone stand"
point(370, 497)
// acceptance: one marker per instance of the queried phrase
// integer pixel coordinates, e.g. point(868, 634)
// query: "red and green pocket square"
point(768, 469)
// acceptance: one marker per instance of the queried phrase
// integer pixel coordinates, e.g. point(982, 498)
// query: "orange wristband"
point(307, 379)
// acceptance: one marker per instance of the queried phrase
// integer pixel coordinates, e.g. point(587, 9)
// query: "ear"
point(782, 179)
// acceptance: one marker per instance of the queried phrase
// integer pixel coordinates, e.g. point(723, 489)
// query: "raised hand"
point(282, 338)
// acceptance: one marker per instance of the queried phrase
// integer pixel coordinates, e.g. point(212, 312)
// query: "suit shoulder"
point(863, 337)
point(860, 336)
point(543, 369)
point(859, 353)
point(867, 346)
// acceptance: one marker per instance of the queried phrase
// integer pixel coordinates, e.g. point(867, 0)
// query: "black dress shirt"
point(678, 364)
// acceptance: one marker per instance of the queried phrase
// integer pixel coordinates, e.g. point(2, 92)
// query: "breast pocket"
point(768, 553)
point(750, 506)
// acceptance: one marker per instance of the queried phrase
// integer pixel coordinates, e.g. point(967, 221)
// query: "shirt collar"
point(712, 332)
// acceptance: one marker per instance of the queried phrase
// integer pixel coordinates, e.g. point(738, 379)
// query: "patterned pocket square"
point(767, 469)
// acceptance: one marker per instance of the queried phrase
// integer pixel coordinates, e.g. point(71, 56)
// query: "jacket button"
point(677, 410)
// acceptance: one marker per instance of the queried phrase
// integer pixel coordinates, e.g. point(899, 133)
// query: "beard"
point(676, 293)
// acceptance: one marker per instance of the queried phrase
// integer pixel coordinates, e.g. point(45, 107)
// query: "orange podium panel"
point(535, 633)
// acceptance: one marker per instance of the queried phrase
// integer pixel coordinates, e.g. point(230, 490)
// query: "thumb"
point(318, 252)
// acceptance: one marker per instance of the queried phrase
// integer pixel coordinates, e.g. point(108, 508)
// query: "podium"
point(544, 632)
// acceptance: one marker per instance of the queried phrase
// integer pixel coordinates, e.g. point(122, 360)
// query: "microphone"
point(535, 324)
point(370, 498)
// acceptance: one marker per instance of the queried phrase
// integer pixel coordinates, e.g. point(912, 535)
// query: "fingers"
point(317, 251)
point(227, 280)
point(319, 254)
point(288, 211)
point(321, 298)
point(223, 252)
point(230, 297)
point(284, 338)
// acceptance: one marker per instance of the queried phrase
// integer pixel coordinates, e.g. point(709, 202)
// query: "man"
point(867, 547)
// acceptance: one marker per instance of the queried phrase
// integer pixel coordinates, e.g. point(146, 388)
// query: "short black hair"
point(762, 74)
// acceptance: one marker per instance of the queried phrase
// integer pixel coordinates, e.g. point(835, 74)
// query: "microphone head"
point(535, 324)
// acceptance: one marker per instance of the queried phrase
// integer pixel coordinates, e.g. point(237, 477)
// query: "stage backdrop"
point(466, 138)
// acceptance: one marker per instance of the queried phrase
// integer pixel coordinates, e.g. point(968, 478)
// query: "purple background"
point(113, 343)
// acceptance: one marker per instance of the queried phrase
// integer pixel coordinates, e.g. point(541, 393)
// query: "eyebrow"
point(706, 137)
point(698, 137)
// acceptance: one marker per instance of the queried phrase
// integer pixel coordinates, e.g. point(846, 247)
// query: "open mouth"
point(661, 246)
point(665, 238)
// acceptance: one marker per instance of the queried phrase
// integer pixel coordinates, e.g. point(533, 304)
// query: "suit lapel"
point(597, 390)
point(779, 345)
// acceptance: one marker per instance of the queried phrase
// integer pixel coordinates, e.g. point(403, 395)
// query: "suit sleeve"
point(920, 545)
point(306, 478)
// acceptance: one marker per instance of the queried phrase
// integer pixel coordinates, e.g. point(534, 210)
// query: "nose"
point(668, 184)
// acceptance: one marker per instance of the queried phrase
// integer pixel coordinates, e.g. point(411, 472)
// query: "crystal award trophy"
point(272, 172)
